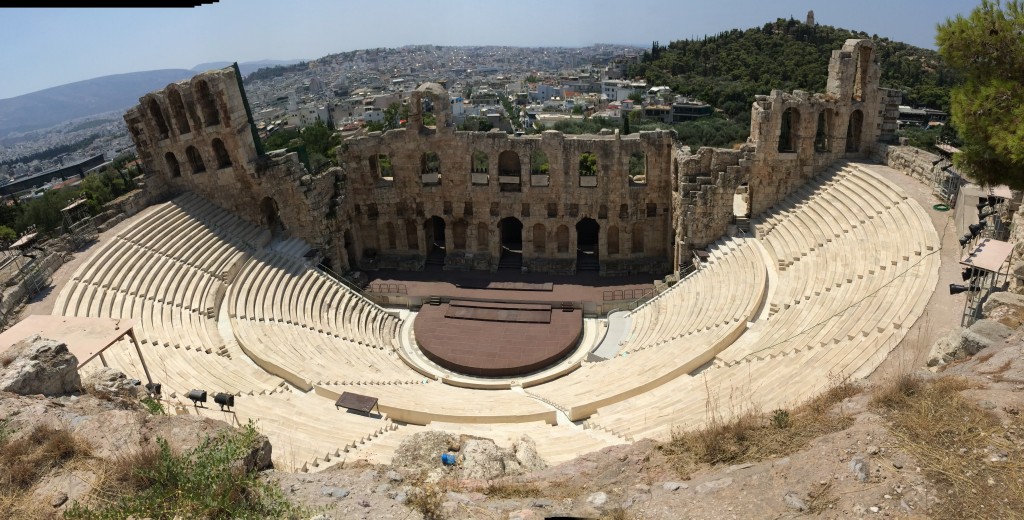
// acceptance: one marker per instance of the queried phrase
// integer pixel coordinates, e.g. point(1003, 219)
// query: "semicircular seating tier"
point(168, 271)
point(308, 328)
point(855, 262)
point(831, 282)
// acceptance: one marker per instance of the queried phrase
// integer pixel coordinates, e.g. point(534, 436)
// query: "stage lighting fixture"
point(964, 240)
point(154, 389)
point(197, 396)
point(224, 400)
point(986, 214)
point(955, 288)
point(969, 273)
point(993, 200)
point(975, 229)
point(981, 204)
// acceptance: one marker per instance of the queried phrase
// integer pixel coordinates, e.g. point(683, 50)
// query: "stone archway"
point(853, 131)
point(588, 233)
point(510, 230)
point(271, 217)
point(434, 231)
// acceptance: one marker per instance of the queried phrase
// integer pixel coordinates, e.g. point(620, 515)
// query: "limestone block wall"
point(798, 135)
point(708, 181)
point(392, 210)
point(402, 196)
point(912, 161)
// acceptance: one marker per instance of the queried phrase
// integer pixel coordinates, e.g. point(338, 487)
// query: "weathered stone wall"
point(392, 215)
point(914, 162)
point(396, 193)
point(798, 135)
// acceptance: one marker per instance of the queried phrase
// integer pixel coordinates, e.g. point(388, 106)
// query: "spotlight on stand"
point(986, 214)
point(982, 203)
point(969, 273)
point(197, 396)
point(964, 240)
point(975, 229)
point(955, 288)
point(223, 400)
point(154, 389)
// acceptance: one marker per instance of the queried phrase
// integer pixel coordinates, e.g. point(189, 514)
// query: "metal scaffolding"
point(77, 224)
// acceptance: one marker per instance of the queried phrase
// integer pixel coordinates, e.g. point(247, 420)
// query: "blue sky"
point(41, 48)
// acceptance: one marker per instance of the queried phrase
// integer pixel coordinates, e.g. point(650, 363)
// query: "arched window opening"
point(482, 237)
point(539, 164)
point(822, 137)
point(459, 234)
point(638, 238)
point(211, 116)
point(540, 241)
point(178, 112)
point(613, 240)
point(158, 118)
point(788, 130)
point(172, 164)
point(861, 72)
point(853, 131)
point(562, 238)
point(221, 153)
point(381, 167)
point(412, 239)
point(508, 164)
point(638, 168)
point(195, 160)
point(480, 163)
point(430, 168)
point(588, 169)
point(389, 230)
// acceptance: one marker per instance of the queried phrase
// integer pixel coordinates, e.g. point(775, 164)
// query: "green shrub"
point(208, 481)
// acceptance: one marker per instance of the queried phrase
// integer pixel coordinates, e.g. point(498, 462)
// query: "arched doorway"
point(271, 216)
point(433, 230)
point(741, 206)
point(587, 235)
point(350, 250)
point(511, 232)
point(853, 131)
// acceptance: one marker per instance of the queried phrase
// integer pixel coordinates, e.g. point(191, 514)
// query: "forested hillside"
point(728, 69)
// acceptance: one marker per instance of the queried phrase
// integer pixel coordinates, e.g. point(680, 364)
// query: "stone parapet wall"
point(914, 162)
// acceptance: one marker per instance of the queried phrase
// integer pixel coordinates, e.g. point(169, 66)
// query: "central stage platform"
point(496, 339)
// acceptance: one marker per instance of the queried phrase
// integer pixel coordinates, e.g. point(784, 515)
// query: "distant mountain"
point(246, 67)
point(45, 108)
point(48, 107)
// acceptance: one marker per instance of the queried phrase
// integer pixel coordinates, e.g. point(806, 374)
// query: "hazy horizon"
point(52, 47)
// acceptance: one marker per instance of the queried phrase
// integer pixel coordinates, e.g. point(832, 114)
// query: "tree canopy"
point(987, 47)
point(728, 69)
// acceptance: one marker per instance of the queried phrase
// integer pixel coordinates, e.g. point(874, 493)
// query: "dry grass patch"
point(428, 499)
point(505, 489)
point(24, 460)
point(756, 435)
point(975, 461)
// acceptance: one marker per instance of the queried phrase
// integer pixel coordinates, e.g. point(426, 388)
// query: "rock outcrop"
point(477, 458)
point(37, 365)
point(110, 382)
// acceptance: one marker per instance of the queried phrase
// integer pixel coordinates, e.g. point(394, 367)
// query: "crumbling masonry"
point(479, 200)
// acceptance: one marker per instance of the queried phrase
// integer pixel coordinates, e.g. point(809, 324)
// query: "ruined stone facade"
point(554, 203)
